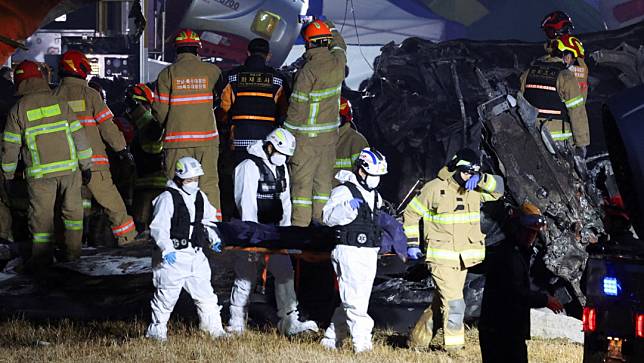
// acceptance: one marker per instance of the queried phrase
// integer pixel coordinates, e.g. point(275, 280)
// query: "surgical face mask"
point(191, 187)
point(372, 181)
point(278, 159)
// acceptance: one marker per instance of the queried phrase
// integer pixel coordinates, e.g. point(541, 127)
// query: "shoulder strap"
point(264, 171)
point(199, 205)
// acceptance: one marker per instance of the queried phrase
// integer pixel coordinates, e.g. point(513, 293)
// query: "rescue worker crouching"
point(262, 195)
point(350, 141)
point(43, 131)
point(449, 207)
point(313, 118)
point(352, 210)
point(183, 225)
point(96, 118)
point(186, 92)
point(254, 100)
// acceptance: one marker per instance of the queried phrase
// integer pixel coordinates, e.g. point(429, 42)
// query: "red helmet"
point(346, 113)
point(75, 63)
point(316, 30)
point(142, 93)
point(25, 70)
point(187, 38)
point(569, 43)
point(556, 24)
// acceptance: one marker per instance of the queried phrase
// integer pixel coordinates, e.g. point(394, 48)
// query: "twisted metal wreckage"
point(424, 102)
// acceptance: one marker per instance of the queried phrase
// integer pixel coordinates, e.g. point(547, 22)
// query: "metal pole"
point(143, 51)
point(163, 32)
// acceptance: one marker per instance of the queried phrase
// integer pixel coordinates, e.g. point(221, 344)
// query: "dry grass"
point(23, 341)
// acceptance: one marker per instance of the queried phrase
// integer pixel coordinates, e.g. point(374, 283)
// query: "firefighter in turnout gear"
point(557, 25)
point(186, 92)
point(350, 141)
point(45, 133)
point(183, 225)
point(449, 207)
point(255, 99)
point(96, 118)
point(553, 89)
point(352, 211)
point(262, 196)
point(313, 117)
point(147, 148)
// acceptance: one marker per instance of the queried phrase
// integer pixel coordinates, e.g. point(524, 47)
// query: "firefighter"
point(7, 100)
point(96, 118)
point(262, 196)
point(183, 225)
point(44, 132)
point(351, 211)
point(255, 99)
point(449, 207)
point(553, 89)
point(312, 117)
point(147, 148)
point(350, 141)
point(186, 92)
point(556, 25)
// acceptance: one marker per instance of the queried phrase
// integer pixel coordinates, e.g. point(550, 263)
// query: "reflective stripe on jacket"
point(350, 143)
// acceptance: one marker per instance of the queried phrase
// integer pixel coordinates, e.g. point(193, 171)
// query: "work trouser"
point(142, 207)
point(448, 299)
point(191, 272)
point(42, 201)
point(311, 170)
point(497, 347)
point(208, 156)
point(355, 268)
point(107, 196)
point(560, 131)
point(246, 274)
point(5, 214)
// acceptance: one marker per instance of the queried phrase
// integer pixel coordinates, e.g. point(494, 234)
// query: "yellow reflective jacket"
point(451, 219)
point(45, 133)
point(315, 101)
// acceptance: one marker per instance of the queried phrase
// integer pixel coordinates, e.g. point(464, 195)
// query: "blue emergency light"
point(611, 286)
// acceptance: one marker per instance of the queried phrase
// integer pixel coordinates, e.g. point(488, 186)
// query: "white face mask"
point(372, 181)
point(190, 188)
point(278, 159)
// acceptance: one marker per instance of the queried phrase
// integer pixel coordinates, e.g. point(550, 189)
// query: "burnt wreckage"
point(426, 100)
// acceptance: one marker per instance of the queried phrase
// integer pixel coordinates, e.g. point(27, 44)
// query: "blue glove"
point(355, 203)
point(414, 253)
point(472, 182)
point(216, 247)
point(170, 258)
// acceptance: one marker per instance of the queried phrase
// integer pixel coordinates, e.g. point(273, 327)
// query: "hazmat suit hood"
point(257, 149)
point(344, 176)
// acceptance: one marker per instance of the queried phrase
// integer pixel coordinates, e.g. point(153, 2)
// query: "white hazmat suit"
point(190, 271)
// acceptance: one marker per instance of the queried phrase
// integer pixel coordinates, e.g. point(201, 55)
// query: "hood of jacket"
point(32, 85)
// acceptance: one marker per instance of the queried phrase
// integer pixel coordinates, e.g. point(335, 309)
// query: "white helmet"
point(188, 167)
point(282, 140)
point(372, 161)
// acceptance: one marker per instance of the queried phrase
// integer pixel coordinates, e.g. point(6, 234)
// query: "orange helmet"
point(25, 70)
point(75, 63)
point(346, 113)
point(187, 38)
point(569, 43)
point(316, 30)
point(142, 93)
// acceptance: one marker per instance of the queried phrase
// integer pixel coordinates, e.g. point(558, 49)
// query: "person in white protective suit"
point(350, 209)
point(181, 227)
point(262, 195)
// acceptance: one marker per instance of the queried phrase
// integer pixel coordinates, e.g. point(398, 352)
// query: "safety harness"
point(269, 188)
point(180, 228)
point(364, 231)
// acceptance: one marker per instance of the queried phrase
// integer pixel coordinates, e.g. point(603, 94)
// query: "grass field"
point(65, 341)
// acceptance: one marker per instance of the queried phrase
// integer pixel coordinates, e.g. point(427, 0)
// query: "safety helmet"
point(25, 70)
point(372, 162)
point(316, 30)
point(75, 63)
point(282, 140)
point(531, 216)
point(569, 43)
point(346, 112)
point(556, 24)
point(187, 167)
point(142, 93)
point(466, 161)
point(187, 38)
